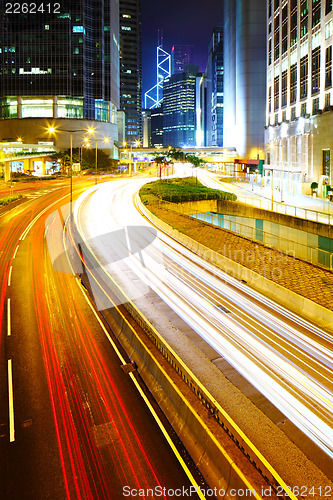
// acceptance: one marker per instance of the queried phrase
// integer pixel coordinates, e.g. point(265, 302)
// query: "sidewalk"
point(300, 200)
point(305, 207)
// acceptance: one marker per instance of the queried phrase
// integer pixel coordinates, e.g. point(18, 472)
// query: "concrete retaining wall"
point(302, 306)
point(202, 437)
point(244, 210)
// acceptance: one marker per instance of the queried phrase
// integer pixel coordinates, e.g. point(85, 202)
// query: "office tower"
point(60, 68)
point(180, 56)
point(214, 101)
point(156, 127)
point(131, 68)
point(244, 60)
point(146, 128)
point(299, 93)
point(179, 108)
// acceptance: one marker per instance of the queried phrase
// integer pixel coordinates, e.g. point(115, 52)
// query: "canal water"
point(300, 244)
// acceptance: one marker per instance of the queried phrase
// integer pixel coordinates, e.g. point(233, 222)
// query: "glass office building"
point(179, 108)
point(131, 68)
point(59, 62)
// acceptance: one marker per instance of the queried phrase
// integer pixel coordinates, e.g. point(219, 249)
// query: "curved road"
point(73, 424)
point(286, 358)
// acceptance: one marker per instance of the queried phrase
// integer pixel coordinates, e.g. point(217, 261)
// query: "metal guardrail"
point(282, 208)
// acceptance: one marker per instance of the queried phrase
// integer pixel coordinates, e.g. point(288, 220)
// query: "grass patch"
point(181, 190)
point(6, 201)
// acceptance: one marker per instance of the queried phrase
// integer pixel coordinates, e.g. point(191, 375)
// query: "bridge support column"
point(7, 171)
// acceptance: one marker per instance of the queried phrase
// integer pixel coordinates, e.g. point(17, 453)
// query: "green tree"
point(88, 159)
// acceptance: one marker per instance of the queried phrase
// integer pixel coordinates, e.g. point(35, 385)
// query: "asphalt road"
point(72, 423)
point(286, 358)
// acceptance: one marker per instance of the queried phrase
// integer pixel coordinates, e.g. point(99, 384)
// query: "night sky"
point(184, 22)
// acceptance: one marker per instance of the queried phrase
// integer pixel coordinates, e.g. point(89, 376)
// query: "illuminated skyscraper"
point(299, 94)
point(179, 108)
point(131, 68)
point(59, 67)
point(215, 95)
point(244, 60)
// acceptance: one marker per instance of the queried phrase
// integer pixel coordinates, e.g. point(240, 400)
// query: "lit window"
point(78, 29)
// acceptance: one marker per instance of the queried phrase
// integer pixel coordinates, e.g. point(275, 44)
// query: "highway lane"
point(78, 427)
point(286, 358)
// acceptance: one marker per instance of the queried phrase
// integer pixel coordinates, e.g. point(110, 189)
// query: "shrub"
point(181, 190)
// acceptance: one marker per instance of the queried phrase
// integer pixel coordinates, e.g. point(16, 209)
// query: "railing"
point(307, 253)
point(303, 213)
point(311, 254)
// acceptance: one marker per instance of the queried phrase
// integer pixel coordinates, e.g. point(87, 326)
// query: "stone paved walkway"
point(303, 278)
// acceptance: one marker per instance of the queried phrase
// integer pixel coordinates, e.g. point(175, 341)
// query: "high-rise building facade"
point(215, 96)
point(181, 55)
point(131, 68)
point(179, 109)
point(59, 66)
point(244, 61)
point(156, 127)
point(299, 93)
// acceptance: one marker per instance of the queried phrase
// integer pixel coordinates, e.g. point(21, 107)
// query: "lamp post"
point(52, 130)
point(106, 140)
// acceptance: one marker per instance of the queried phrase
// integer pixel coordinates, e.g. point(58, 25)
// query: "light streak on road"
point(104, 437)
point(286, 358)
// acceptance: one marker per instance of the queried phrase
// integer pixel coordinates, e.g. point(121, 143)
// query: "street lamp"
point(52, 130)
point(105, 140)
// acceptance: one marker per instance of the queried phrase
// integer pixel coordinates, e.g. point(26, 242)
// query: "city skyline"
point(177, 29)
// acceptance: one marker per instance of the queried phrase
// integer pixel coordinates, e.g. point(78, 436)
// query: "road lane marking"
point(16, 249)
point(27, 229)
point(10, 275)
point(151, 409)
point(8, 318)
point(11, 402)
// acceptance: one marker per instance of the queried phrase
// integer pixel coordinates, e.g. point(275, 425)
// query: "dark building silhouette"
point(156, 127)
point(181, 55)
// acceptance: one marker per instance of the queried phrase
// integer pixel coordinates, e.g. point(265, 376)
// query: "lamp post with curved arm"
point(53, 130)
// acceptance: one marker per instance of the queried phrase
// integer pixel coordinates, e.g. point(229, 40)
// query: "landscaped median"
point(181, 190)
point(298, 285)
point(9, 199)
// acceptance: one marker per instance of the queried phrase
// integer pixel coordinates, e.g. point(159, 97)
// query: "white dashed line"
point(10, 275)
point(15, 252)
